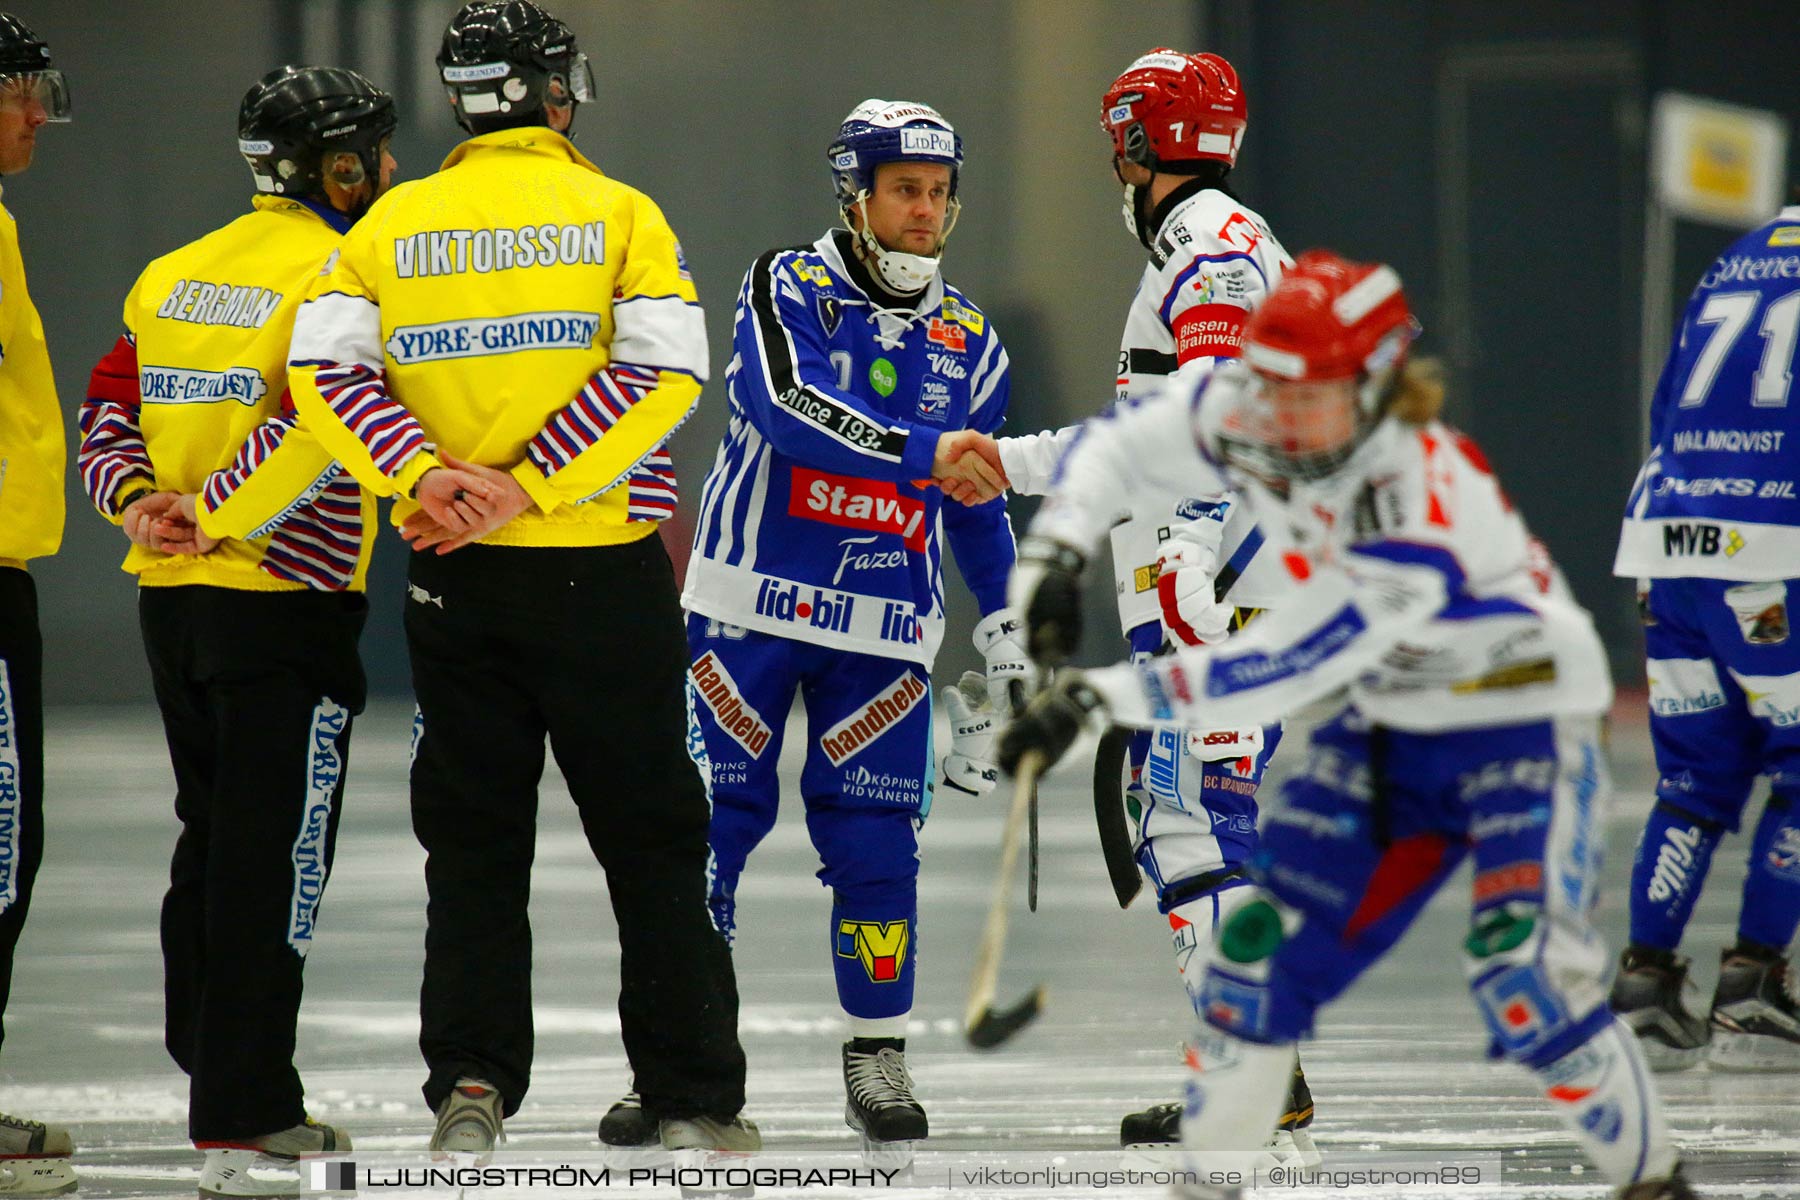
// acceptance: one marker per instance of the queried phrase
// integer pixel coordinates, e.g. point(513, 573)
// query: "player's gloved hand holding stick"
point(1046, 588)
point(1187, 584)
point(1051, 723)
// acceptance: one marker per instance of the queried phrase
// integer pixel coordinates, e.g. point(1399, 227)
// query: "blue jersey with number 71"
point(1719, 496)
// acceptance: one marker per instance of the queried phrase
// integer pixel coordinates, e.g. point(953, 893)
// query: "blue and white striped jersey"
point(811, 523)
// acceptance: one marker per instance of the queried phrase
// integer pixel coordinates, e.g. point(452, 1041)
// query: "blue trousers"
point(1374, 824)
point(866, 784)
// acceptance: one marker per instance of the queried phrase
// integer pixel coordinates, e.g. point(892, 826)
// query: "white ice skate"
point(1292, 1148)
point(468, 1124)
point(266, 1166)
point(714, 1146)
point(34, 1158)
point(1151, 1139)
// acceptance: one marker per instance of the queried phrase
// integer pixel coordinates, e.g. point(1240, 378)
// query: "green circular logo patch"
point(1252, 933)
point(882, 376)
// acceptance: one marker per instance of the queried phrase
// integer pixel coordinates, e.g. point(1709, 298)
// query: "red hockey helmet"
point(1170, 109)
point(1329, 320)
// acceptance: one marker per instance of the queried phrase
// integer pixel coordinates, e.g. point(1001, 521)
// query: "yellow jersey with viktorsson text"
point(518, 310)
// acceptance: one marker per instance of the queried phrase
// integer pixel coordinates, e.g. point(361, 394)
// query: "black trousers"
point(586, 645)
point(257, 691)
point(21, 762)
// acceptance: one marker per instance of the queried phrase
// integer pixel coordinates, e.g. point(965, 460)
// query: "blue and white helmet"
point(890, 131)
point(884, 131)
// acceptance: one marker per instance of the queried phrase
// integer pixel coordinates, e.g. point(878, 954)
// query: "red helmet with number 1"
point(1170, 109)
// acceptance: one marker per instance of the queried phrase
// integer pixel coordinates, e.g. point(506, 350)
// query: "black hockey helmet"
point(293, 117)
point(25, 57)
point(503, 60)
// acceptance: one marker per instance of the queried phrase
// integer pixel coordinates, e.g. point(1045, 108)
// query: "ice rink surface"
point(1398, 1063)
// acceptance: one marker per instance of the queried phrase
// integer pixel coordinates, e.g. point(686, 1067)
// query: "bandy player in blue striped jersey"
point(858, 377)
point(1713, 526)
point(1176, 122)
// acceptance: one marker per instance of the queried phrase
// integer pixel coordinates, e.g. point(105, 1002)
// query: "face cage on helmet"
point(370, 158)
point(1260, 455)
point(48, 89)
point(860, 199)
point(1279, 469)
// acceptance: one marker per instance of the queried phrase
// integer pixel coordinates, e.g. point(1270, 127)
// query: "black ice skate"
point(1159, 1128)
point(1675, 1187)
point(627, 1125)
point(1296, 1121)
point(1647, 995)
point(1156, 1128)
point(879, 1092)
point(1755, 1020)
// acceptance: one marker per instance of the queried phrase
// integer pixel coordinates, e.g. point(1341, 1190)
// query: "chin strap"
point(1135, 217)
point(901, 273)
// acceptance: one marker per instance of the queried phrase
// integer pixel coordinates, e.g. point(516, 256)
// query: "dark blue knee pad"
point(1670, 868)
point(872, 868)
point(1771, 910)
point(867, 852)
point(738, 824)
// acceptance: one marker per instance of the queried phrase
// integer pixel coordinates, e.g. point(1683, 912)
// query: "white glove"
point(969, 767)
point(1000, 638)
point(1186, 568)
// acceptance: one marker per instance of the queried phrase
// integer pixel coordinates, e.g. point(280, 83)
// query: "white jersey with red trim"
point(1212, 263)
point(1420, 590)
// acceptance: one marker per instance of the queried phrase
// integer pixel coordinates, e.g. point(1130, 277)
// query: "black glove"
point(1048, 579)
point(1050, 723)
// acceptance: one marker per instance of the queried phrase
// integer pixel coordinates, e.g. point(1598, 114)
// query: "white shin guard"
point(1194, 934)
point(1602, 1092)
point(1236, 1097)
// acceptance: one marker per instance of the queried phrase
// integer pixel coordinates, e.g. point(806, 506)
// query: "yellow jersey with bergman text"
point(521, 311)
point(31, 426)
point(194, 399)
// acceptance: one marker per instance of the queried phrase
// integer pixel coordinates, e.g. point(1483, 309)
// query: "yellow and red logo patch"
point(947, 335)
point(881, 948)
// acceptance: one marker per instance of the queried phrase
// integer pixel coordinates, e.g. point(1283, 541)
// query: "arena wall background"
point(1495, 153)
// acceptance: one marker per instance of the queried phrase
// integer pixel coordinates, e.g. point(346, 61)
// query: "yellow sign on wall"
point(1718, 162)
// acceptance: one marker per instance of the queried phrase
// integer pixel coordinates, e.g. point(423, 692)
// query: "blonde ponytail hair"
point(1418, 394)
